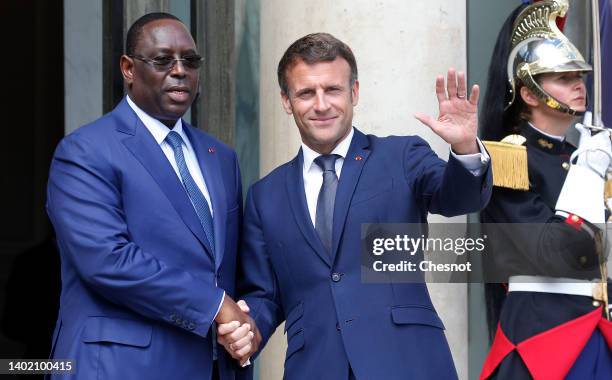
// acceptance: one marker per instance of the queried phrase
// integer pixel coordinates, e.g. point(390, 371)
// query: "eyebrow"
point(303, 91)
point(189, 51)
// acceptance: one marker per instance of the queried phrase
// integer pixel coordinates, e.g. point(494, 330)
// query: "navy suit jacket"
point(139, 288)
point(332, 319)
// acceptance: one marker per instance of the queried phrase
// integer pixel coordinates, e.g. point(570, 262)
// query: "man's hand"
point(240, 339)
point(457, 123)
point(230, 311)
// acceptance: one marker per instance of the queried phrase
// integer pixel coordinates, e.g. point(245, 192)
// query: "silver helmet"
point(538, 47)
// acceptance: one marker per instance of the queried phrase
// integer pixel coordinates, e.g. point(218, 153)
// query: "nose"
point(321, 102)
point(580, 86)
point(178, 69)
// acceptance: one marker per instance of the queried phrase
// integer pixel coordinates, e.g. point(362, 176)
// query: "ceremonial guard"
point(549, 319)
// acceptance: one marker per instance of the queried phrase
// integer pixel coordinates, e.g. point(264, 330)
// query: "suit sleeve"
point(444, 188)
point(84, 203)
point(257, 283)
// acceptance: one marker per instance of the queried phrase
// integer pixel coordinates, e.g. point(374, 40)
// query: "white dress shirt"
point(159, 132)
point(313, 178)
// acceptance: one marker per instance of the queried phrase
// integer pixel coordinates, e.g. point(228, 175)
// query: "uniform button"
point(596, 303)
point(565, 166)
point(336, 277)
point(583, 260)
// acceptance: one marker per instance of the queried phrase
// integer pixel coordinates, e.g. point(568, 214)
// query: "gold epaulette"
point(509, 161)
point(608, 189)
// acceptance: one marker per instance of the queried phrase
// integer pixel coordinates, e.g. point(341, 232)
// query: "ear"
point(127, 69)
point(286, 103)
point(355, 93)
point(529, 98)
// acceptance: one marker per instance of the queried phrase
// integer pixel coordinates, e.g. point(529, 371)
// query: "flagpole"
point(596, 64)
point(597, 123)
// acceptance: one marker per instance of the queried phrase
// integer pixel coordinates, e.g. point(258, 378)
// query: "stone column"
point(82, 63)
point(134, 9)
point(216, 42)
point(400, 47)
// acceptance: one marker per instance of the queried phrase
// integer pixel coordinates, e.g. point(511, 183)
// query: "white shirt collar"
point(554, 137)
point(156, 127)
point(341, 149)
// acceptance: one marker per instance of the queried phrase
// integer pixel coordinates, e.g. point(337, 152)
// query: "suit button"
point(336, 277)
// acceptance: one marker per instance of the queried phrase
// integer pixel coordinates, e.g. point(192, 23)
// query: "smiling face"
point(164, 94)
point(321, 99)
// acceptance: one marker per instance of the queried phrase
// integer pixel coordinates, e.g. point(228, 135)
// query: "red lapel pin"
point(212, 149)
point(358, 158)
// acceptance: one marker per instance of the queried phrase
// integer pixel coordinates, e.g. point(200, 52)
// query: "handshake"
point(236, 330)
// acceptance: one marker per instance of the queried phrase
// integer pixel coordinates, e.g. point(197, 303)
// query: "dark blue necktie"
point(197, 198)
point(327, 196)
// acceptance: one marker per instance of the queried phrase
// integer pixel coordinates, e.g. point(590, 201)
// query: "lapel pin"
point(358, 158)
point(212, 149)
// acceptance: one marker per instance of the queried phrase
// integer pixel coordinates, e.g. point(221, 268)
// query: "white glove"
point(583, 190)
point(594, 151)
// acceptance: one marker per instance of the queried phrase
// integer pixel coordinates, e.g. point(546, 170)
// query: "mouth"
point(323, 120)
point(178, 94)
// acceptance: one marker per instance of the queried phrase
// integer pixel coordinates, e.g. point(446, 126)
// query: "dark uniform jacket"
point(543, 244)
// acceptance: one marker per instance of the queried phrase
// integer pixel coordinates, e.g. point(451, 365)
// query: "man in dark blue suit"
point(301, 249)
point(147, 211)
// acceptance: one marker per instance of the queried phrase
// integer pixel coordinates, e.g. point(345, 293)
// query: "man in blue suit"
point(147, 210)
point(300, 261)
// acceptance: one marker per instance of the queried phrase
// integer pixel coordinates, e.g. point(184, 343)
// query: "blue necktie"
point(197, 198)
point(327, 196)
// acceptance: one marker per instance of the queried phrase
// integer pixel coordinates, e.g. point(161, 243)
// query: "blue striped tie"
point(197, 198)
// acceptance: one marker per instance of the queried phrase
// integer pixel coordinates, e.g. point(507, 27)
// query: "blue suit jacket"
point(385, 331)
point(139, 289)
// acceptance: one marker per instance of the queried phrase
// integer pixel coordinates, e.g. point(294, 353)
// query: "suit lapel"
point(297, 200)
point(146, 150)
point(351, 171)
point(205, 150)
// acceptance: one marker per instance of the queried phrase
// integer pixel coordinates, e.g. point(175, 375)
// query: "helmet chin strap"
point(525, 75)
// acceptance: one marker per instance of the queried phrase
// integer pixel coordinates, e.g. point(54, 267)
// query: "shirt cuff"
point(475, 163)
point(220, 304)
